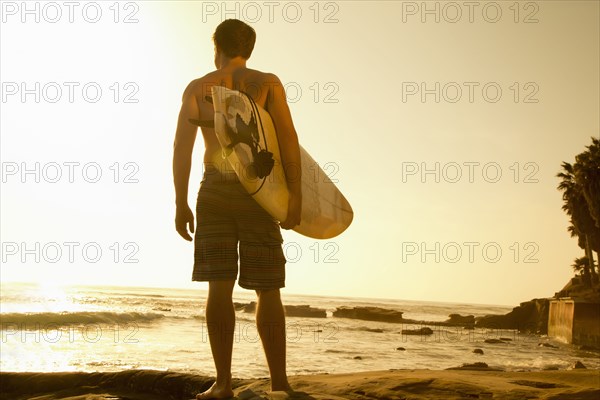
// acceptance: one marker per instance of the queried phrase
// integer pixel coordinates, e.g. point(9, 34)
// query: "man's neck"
point(237, 62)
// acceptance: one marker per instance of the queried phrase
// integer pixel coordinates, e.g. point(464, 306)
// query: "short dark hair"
point(235, 38)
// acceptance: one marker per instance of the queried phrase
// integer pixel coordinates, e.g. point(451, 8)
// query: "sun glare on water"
point(41, 298)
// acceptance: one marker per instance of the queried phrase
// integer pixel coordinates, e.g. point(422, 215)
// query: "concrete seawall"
point(576, 322)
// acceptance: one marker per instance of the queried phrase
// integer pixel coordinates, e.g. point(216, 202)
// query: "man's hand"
point(294, 212)
point(183, 217)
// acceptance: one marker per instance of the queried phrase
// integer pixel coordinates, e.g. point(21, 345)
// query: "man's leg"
point(220, 321)
point(270, 320)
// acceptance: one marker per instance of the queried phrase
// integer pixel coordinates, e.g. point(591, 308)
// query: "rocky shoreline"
point(467, 381)
point(528, 317)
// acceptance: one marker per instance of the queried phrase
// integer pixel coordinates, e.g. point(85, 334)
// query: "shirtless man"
point(225, 211)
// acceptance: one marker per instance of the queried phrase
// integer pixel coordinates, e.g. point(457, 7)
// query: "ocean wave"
point(238, 318)
point(33, 320)
point(134, 294)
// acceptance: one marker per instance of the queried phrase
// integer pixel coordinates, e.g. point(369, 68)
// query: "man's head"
point(234, 38)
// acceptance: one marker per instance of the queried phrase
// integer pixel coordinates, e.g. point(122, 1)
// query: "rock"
point(290, 310)
point(247, 394)
point(478, 351)
point(305, 311)
point(250, 307)
point(529, 316)
point(369, 314)
point(468, 321)
point(422, 331)
point(457, 319)
point(478, 366)
point(536, 384)
point(494, 341)
point(400, 348)
point(167, 384)
point(577, 365)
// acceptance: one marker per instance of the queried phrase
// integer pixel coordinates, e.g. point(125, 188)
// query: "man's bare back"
point(264, 88)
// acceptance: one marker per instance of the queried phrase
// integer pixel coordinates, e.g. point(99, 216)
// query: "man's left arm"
point(289, 149)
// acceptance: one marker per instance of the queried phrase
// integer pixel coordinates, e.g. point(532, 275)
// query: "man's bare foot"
point(216, 392)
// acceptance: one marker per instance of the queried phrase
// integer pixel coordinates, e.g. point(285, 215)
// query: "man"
point(227, 214)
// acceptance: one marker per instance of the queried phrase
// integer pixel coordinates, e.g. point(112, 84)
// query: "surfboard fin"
point(209, 123)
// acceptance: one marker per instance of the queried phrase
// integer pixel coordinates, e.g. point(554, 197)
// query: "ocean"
point(86, 328)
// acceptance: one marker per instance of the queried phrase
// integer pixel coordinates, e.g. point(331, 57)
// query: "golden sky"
point(444, 124)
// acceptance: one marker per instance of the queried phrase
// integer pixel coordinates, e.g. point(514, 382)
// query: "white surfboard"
point(249, 141)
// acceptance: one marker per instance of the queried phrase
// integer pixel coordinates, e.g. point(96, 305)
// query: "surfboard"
point(249, 142)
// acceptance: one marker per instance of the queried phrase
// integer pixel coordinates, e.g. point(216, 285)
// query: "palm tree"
point(581, 265)
point(575, 205)
point(587, 175)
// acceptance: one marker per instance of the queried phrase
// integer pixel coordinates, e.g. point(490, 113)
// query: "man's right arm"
point(183, 147)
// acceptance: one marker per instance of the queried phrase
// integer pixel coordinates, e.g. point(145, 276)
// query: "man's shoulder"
point(199, 85)
point(267, 77)
point(211, 78)
point(261, 73)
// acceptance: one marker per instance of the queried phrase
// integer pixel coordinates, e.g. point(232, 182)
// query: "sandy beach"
point(579, 384)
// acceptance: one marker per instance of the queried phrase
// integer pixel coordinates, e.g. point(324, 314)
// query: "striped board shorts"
point(225, 216)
